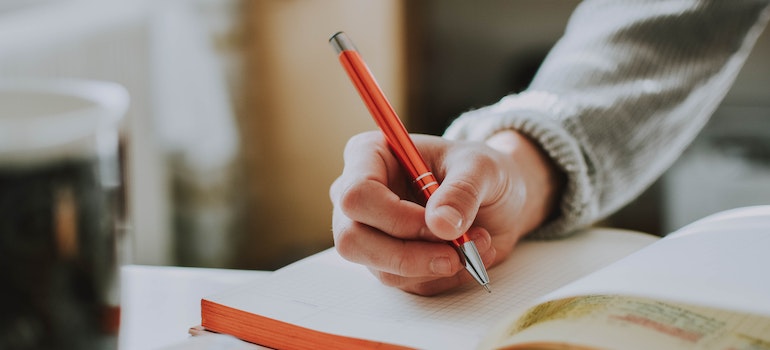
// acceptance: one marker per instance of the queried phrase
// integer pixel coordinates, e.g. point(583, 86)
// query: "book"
point(704, 286)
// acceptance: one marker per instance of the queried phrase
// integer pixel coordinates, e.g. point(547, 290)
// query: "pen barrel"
point(387, 120)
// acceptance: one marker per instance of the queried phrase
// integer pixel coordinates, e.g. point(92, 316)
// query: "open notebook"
point(328, 294)
point(324, 301)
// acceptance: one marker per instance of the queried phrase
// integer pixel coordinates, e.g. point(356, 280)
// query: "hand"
point(497, 192)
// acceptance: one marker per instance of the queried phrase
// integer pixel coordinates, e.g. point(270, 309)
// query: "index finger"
point(371, 187)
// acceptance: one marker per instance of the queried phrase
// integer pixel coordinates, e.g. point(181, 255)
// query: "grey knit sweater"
point(622, 94)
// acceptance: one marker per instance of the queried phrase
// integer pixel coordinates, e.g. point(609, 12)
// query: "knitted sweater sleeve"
point(622, 94)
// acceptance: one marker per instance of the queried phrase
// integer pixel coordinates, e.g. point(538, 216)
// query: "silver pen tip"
point(473, 263)
point(486, 286)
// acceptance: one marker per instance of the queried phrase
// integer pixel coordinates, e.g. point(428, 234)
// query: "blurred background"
point(240, 111)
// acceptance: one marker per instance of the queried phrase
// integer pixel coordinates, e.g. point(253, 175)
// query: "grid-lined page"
point(328, 294)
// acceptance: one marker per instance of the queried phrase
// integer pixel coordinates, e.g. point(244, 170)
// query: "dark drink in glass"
point(61, 207)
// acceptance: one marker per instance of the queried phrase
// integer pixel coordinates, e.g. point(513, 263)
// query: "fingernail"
point(451, 216)
point(441, 266)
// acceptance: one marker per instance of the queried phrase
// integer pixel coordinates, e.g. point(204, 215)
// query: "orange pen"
point(400, 143)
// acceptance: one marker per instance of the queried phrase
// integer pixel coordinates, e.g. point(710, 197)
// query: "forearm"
point(622, 94)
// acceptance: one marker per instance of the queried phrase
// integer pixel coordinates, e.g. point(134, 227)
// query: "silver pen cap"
point(341, 42)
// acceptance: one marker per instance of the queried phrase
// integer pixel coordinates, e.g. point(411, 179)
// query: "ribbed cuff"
point(538, 115)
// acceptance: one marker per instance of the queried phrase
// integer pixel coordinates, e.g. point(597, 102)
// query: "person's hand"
point(497, 192)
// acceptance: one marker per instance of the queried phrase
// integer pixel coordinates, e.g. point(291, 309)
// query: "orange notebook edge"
point(277, 334)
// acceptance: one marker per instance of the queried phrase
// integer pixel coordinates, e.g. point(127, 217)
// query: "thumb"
point(452, 208)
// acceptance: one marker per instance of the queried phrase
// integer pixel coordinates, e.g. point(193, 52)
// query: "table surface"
point(160, 303)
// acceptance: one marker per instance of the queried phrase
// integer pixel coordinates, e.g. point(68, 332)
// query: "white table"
point(160, 303)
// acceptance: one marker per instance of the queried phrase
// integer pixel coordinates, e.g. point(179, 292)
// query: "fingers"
point(374, 204)
point(420, 267)
point(401, 242)
point(368, 246)
point(371, 189)
point(466, 185)
point(431, 285)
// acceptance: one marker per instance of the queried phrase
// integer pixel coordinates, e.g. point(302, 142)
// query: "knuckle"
point(402, 264)
point(388, 279)
point(361, 140)
point(463, 191)
point(352, 197)
point(335, 189)
point(346, 242)
point(399, 226)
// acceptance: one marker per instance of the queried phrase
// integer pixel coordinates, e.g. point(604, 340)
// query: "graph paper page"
point(326, 293)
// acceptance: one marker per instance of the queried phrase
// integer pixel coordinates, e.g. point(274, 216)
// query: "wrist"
point(543, 180)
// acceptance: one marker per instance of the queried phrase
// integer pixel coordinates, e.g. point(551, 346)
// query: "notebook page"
point(326, 293)
point(720, 262)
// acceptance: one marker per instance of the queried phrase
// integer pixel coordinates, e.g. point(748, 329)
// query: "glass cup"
point(61, 213)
